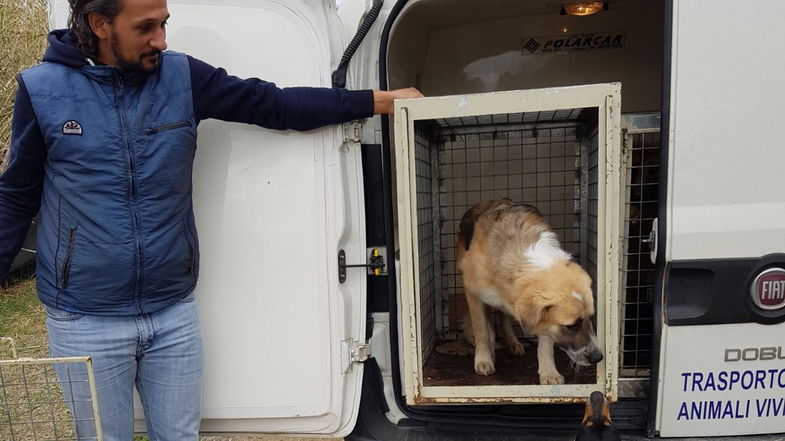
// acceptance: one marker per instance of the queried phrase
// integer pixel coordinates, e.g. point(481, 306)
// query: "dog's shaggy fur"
point(511, 260)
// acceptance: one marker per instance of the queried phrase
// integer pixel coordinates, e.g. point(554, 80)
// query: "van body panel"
point(731, 386)
point(720, 371)
point(725, 187)
point(273, 210)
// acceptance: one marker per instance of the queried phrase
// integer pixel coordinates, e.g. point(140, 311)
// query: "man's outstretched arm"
point(216, 94)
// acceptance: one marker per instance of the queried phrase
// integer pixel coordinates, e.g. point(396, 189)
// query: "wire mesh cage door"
point(537, 163)
point(547, 159)
point(641, 206)
point(52, 399)
point(581, 201)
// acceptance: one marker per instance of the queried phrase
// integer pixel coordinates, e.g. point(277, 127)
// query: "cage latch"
point(376, 263)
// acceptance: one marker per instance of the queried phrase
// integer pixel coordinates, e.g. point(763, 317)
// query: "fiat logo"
point(768, 289)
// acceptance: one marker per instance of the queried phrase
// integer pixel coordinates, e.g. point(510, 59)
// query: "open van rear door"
point(721, 367)
point(273, 209)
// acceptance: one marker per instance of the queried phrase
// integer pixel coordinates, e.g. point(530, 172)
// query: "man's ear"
point(100, 26)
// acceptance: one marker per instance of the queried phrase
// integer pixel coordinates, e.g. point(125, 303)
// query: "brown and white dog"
point(512, 261)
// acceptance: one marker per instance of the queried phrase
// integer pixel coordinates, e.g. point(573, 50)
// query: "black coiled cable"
point(339, 76)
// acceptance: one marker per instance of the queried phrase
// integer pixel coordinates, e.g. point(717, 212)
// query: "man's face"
point(138, 35)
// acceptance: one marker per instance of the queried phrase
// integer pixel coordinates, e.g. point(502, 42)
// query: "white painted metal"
point(605, 97)
point(695, 405)
point(58, 13)
point(273, 209)
point(380, 351)
point(725, 194)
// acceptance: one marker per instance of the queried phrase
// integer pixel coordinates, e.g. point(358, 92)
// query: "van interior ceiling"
point(446, 47)
point(452, 47)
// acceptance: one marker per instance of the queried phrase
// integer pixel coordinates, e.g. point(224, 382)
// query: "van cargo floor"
point(452, 364)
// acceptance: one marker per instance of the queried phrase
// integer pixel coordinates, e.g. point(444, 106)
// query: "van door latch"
point(377, 257)
point(652, 241)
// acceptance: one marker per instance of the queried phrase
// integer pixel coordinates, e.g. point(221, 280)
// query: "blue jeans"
point(159, 353)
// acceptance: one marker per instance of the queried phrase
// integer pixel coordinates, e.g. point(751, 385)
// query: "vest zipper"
point(69, 254)
point(169, 126)
point(132, 198)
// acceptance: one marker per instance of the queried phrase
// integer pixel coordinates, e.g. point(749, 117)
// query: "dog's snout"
point(595, 356)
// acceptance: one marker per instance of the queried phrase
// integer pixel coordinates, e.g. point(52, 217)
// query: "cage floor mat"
point(452, 364)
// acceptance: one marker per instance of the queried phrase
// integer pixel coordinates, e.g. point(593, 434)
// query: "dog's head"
point(557, 301)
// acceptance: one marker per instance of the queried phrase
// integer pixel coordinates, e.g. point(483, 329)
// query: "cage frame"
point(51, 361)
point(634, 380)
point(606, 98)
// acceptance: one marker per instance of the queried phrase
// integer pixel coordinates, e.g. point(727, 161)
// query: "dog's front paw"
point(551, 377)
point(484, 367)
point(516, 348)
point(483, 360)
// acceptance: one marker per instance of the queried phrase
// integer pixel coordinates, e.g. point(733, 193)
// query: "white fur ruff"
point(546, 251)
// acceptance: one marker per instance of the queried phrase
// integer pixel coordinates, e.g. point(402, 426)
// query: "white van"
point(646, 133)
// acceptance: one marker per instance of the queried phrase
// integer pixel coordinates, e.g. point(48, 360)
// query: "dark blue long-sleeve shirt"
point(216, 94)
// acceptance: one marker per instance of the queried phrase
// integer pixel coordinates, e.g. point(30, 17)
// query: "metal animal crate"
point(555, 148)
point(32, 407)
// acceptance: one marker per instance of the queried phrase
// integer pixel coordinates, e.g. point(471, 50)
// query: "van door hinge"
point(356, 353)
point(376, 258)
point(359, 351)
point(351, 135)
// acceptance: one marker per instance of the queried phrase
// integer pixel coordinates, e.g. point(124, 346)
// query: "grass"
point(23, 318)
point(30, 398)
point(23, 29)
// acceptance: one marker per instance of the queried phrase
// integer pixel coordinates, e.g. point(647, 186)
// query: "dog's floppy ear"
point(466, 230)
point(533, 308)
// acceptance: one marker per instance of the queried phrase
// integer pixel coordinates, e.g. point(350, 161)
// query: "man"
point(104, 135)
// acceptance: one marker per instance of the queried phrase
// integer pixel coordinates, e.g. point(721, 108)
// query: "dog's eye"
point(575, 326)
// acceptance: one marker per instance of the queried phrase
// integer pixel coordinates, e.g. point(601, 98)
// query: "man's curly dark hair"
point(79, 25)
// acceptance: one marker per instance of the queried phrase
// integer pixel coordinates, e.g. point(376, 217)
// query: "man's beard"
point(134, 66)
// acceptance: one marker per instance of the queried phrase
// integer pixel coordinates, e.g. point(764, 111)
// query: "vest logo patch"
point(72, 127)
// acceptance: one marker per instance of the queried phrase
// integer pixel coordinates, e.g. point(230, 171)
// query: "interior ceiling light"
point(583, 8)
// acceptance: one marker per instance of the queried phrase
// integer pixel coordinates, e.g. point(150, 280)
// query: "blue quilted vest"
point(116, 234)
